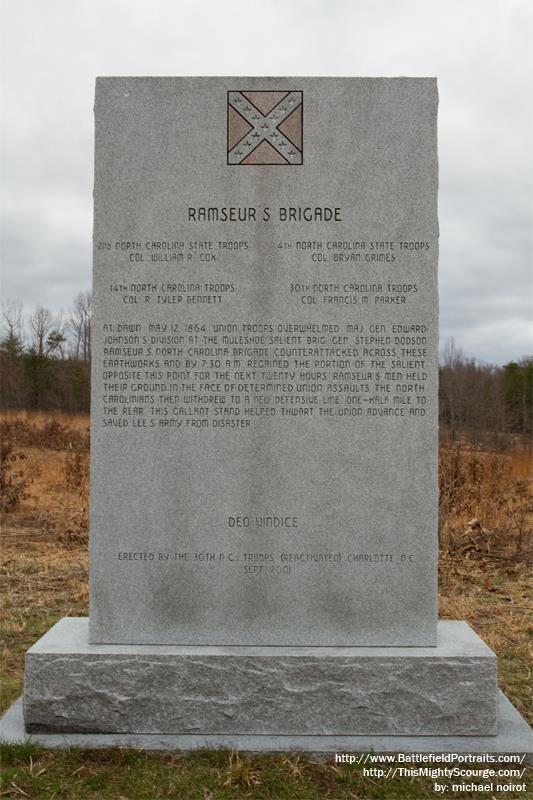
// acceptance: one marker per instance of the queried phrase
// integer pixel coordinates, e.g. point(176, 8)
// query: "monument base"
point(514, 736)
point(72, 686)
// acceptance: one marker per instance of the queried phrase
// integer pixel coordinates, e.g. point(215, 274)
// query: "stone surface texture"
point(356, 565)
point(71, 685)
point(514, 736)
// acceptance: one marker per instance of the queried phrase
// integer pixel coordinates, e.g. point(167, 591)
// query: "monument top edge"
point(425, 78)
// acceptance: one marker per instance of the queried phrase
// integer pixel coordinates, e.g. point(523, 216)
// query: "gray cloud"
point(479, 50)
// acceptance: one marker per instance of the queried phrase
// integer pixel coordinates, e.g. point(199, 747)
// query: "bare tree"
point(41, 322)
point(12, 388)
point(452, 390)
point(12, 327)
point(79, 325)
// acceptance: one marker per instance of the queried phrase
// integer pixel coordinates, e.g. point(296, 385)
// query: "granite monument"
point(263, 526)
point(265, 362)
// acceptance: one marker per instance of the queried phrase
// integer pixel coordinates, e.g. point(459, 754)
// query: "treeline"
point(45, 365)
point(45, 358)
point(484, 403)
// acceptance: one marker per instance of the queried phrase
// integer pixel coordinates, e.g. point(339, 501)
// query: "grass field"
point(484, 579)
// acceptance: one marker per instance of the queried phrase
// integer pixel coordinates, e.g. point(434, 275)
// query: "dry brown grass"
point(43, 566)
point(486, 527)
point(491, 491)
point(484, 569)
point(42, 581)
point(240, 771)
point(53, 474)
point(41, 419)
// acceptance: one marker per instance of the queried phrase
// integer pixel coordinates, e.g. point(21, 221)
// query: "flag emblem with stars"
point(265, 127)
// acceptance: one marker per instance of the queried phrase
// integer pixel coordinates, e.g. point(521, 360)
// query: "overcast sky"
point(480, 50)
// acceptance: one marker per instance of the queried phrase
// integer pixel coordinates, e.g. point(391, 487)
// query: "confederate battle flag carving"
point(265, 127)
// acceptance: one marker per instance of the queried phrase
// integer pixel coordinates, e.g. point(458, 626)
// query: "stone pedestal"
point(73, 686)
